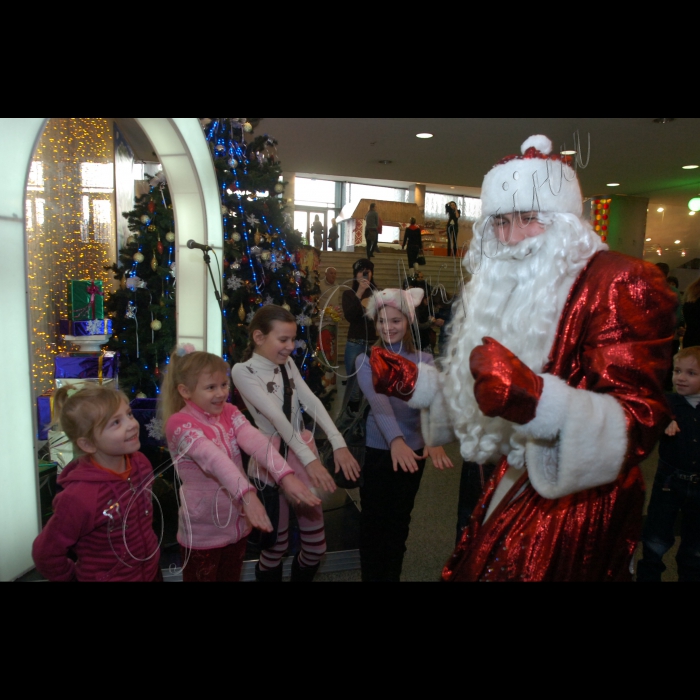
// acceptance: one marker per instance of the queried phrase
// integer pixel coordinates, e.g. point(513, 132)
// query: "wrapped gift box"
point(77, 365)
point(85, 300)
point(78, 328)
point(44, 406)
point(151, 433)
point(79, 383)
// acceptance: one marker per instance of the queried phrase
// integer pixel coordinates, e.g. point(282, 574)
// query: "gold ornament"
point(170, 236)
point(156, 325)
point(152, 228)
point(140, 395)
point(154, 263)
point(257, 238)
point(138, 257)
point(286, 306)
point(241, 313)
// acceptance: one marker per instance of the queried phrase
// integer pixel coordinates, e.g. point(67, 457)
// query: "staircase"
point(390, 270)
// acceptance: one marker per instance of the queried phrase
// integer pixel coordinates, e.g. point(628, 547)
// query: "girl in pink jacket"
point(205, 433)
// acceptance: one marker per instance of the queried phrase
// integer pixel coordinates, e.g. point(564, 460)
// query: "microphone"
point(192, 244)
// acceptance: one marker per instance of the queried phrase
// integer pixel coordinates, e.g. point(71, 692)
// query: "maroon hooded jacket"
point(102, 526)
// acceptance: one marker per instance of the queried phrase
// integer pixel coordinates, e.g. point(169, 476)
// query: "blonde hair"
point(693, 292)
point(84, 412)
point(185, 369)
point(692, 351)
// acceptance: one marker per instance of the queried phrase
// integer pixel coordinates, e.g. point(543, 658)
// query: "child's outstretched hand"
point(320, 477)
point(403, 456)
point(439, 456)
point(672, 429)
point(344, 460)
point(294, 488)
point(255, 512)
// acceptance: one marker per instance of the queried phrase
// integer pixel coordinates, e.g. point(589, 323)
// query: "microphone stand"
point(227, 333)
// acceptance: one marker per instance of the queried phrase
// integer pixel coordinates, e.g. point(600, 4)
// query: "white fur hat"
point(403, 300)
point(534, 181)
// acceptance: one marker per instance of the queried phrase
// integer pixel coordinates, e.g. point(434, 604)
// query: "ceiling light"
point(424, 135)
point(648, 239)
point(613, 184)
point(683, 253)
point(676, 242)
point(691, 213)
point(568, 153)
point(690, 167)
point(660, 209)
point(694, 204)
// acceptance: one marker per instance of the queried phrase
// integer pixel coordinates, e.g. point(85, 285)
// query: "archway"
point(182, 150)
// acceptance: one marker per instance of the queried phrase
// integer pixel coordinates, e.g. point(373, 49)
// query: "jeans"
point(371, 237)
point(670, 496)
point(352, 351)
point(387, 499)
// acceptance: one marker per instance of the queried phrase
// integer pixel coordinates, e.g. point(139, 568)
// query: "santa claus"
point(554, 371)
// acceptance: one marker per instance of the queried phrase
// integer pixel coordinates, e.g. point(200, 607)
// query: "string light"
point(70, 228)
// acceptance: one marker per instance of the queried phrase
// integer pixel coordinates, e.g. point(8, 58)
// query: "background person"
point(371, 230)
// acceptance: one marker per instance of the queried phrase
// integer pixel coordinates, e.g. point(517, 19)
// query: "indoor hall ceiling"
point(645, 157)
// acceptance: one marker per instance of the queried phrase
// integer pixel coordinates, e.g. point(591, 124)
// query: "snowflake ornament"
point(303, 320)
point(155, 429)
point(249, 317)
point(95, 327)
point(131, 311)
point(268, 300)
point(300, 344)
point(234, 283)
point(252, 220)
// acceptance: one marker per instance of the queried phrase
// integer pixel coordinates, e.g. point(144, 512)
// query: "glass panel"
point(311, 192)
point(301, 223)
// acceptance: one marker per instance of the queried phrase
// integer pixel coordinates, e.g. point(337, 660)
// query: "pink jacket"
point(104, 521)
point(206, 451)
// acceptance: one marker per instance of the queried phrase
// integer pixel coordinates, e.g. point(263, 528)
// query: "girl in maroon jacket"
point(102, 525)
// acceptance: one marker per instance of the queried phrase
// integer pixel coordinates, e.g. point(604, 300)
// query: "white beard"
point(516, 295)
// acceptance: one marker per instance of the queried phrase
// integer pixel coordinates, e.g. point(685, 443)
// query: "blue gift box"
point(78, 328)
point(43, 406)
point(97, 365)
point(151, 433)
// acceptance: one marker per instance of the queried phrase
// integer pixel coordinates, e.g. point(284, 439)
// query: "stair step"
point(390, 269)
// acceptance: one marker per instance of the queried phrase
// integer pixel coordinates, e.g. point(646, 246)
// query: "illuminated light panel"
point(660, 209)
point(613, 184)
point(424, 135)
point(690, 167)
point(568, 153)
point(694, 204)
point(676, 242)
point(70, 227)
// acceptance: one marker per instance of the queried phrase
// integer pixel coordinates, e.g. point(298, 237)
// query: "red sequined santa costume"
point(554, 370)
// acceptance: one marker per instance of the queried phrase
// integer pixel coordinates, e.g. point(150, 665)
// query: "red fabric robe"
point(614, 337)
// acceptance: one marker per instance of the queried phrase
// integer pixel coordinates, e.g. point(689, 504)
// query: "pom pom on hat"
point(539, 142)
point(403, 300)
point(537, 180)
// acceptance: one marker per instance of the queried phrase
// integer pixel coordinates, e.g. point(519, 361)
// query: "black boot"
point(303, 574)
point(269, 575)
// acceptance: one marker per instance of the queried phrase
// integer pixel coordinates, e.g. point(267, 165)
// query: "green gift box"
point(85, 300)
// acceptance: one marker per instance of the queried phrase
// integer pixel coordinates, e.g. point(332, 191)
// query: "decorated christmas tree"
point(265, 260)
point(143, 308)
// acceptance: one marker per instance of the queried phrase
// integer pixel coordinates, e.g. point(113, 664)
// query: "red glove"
point(392, 374)
point(503, 385)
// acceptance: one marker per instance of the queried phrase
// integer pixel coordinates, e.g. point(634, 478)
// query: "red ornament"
point(606, 206)
point(151, 206)
point(159, 248)
point(156, 372)
point(226, 263)
point(244, 259)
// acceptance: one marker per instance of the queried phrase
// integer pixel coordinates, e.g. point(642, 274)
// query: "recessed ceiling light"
point(613, 184)
point(691, 213)
point(676, 242)
point(424, 135)
point(690, 167)
point(660, 209)
point(568, 153)
point(648, 239)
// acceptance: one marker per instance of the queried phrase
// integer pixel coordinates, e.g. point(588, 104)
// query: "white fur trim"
point(576, 441)
point(427, 384)
point(540, 142)
point(531, 184)
point(403, 300)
